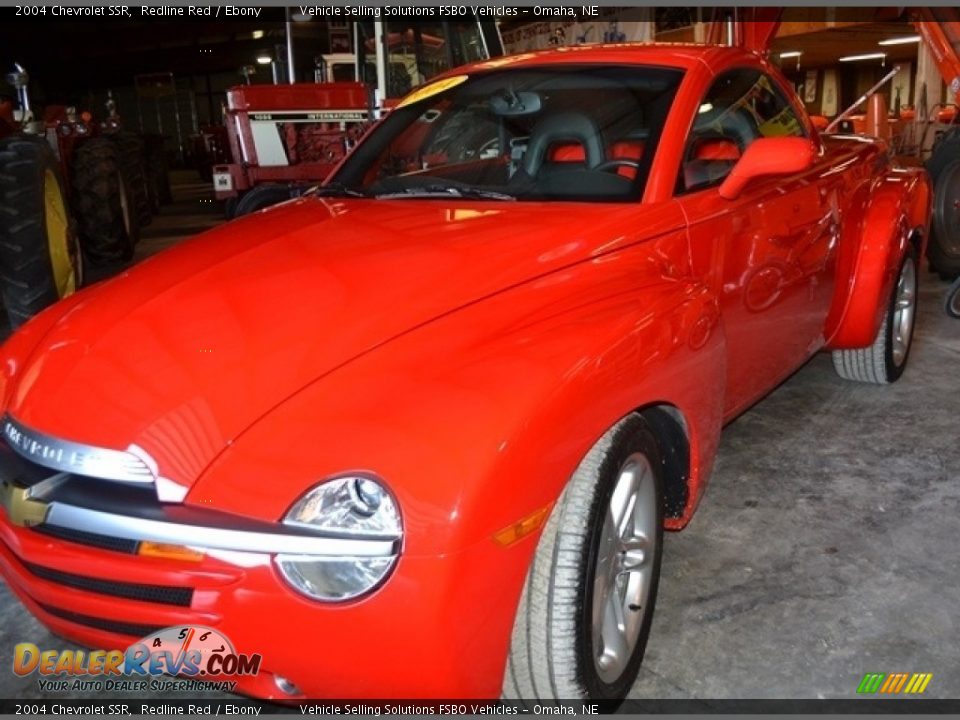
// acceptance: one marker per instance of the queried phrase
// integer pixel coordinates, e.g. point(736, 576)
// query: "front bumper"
point(439, 626)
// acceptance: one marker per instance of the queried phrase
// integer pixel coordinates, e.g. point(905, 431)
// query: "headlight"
point(354, 507)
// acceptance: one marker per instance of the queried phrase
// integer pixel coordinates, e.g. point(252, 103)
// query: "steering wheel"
point(607, 165)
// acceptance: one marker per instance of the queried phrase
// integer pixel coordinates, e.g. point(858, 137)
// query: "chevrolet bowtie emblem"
point(22, 509)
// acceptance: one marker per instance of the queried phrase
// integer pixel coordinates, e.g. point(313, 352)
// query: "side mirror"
point(768, 156)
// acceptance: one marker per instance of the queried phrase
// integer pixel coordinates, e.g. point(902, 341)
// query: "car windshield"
point(580, 133)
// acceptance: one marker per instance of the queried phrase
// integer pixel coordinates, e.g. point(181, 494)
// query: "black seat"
point(563, 127)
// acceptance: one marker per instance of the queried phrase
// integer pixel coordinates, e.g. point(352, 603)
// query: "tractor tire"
point(133, 155)
point(106, 217)
point(230, 207)
point(40, 259)
point(262, 197)
point(945, 151)
point(943, 250)
point(158, 172)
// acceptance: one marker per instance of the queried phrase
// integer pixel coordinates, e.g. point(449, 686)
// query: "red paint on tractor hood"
point(182, 353)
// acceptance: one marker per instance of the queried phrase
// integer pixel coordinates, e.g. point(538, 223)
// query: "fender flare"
point(897, 215)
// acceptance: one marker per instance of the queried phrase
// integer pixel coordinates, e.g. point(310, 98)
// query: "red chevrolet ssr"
point(418, 433)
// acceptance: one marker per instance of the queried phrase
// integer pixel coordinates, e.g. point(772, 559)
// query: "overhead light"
point(264, 59)
point(905, 40)
point(705, 108)
point(256, 34)
point(792, 53)
point(867, 56)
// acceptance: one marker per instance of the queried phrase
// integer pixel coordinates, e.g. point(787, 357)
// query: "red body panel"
point(468, 352)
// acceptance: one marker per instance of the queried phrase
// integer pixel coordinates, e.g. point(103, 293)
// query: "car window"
point(741, 106)
point(554, 133)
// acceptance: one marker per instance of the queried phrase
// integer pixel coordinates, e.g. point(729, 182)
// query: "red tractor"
point(285, 138)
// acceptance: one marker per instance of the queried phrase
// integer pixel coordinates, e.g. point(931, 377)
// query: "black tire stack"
point(27, 279)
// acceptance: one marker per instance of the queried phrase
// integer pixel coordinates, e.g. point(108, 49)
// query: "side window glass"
point(741, 106)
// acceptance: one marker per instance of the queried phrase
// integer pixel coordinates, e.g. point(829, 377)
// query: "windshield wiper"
point(445, 191)
point(334, 189)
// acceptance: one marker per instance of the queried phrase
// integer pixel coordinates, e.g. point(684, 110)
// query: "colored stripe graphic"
point(894, 683)
point(918, 683)
point(871, 683)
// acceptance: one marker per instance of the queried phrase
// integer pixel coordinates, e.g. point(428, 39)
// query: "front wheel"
point(584, 616)
point(886, 359)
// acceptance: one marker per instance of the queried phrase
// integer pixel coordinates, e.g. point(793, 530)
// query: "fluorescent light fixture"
point(256, 34)
point(792, 53)
point(867, 56)
point(263, 59)
point(906, 40)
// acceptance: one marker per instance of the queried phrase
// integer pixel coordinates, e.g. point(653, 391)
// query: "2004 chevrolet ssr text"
point(432, 418)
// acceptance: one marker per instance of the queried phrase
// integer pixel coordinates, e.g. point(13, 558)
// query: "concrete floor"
point(827, 545)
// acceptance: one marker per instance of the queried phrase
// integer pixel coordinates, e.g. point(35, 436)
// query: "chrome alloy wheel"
point(624, 569)
point(904, 311)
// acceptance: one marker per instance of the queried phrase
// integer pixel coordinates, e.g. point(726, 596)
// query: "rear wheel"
point(943, 251)
point(106, 217)
point(584, 616)
point(39, 254)
point(886, 359)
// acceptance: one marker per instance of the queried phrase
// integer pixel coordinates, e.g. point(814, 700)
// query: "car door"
point(768, 254)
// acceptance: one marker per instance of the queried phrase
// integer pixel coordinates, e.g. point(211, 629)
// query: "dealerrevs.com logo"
point(204, 657)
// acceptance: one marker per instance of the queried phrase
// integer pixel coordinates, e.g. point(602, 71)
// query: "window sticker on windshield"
point(432, 89)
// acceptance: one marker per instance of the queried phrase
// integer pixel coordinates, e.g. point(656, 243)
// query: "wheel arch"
point(896, 217)
point(672, 432)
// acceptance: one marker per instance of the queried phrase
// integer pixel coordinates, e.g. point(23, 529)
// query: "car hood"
point(180, 354)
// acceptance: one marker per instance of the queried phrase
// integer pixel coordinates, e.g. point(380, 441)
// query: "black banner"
point(244, 706)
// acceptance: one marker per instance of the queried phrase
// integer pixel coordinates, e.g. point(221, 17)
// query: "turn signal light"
point(169, 552)
point(520, 529)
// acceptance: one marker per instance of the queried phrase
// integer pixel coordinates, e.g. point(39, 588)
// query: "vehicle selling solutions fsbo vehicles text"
point(409, 10)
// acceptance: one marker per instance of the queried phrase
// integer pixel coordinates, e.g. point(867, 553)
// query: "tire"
point(133, 156)
point(885, 360)
point(943, 250)
point(945, 151)
point(106, 218)
point(261, 197)
point(158, 172)
point(40, 259)
point(556, 642)
point(230, 207)
point(951, 302)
